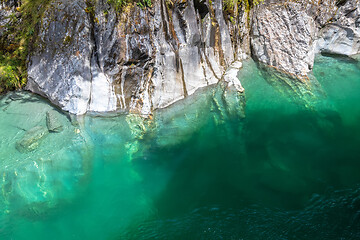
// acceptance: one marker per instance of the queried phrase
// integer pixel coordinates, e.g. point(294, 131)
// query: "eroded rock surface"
point(138, 60)
point(342, 34)
point(282, 37)
point(7, 7)
point(286, 34)
point(60, 67)
point(93, 58)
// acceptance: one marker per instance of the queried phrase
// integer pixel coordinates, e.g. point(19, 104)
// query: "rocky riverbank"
point(90, 57)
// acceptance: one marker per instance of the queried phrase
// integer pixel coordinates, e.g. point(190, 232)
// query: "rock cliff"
point(89, 57)
point(286, 35)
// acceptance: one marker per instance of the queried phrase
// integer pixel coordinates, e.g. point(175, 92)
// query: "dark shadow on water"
point(341, 58)
point(276, 162)
point(276, 179)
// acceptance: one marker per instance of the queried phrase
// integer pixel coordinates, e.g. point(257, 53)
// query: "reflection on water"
point(282, 166)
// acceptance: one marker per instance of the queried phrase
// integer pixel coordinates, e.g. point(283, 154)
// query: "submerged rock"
point(32, 139)
point(52, 122)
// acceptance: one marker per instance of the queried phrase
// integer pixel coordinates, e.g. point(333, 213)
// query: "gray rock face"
point(92, 58)
point(138, 60)
point(7, 7)
point(282, 37)
point(286, 35)
point(60, 67)
point(342, 34)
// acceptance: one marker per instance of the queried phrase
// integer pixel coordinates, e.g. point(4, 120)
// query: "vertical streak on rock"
point(183, 78)
point(217, 35)
point(122, 83)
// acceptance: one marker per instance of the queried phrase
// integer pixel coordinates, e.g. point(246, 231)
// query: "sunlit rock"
point(342, 34)
point(138, 60)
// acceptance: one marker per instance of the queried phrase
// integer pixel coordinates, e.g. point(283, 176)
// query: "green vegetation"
point(144, 3)
point(229, 5)
point(16, 43)
point(120, 4)
point(19, 33)
point(18, 37)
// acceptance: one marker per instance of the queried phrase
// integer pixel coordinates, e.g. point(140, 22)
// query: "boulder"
point(59, 67)
point(52, 122)
point(32, 139)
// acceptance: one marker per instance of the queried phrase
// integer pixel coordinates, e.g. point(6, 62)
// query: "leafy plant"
point(229, 5)
point(144, 3)
point(120, 4)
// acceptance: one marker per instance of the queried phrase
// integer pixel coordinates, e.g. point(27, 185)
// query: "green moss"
point(16, 43)
point(120, 4)
point(229, 5)
point(67, 40)
point(229, 8)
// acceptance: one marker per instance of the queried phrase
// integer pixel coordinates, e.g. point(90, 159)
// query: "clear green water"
point(289, 169)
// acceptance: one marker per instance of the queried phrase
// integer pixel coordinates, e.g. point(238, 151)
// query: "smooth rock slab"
point(52, 122)
point(32, 139)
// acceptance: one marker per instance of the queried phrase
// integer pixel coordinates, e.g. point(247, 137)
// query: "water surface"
point(284, 166)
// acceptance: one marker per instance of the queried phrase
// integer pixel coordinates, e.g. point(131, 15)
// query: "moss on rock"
point(16, 42)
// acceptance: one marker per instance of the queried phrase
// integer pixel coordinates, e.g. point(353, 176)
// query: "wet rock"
point(32, 139)
point(52, 122)
point(230, 77)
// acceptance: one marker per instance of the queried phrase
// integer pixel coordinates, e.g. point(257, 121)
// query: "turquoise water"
point(284, 166)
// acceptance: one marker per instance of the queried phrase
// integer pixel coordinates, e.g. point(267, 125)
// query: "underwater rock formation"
point(32, 139)
point(38, 168)
point(52, 122)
